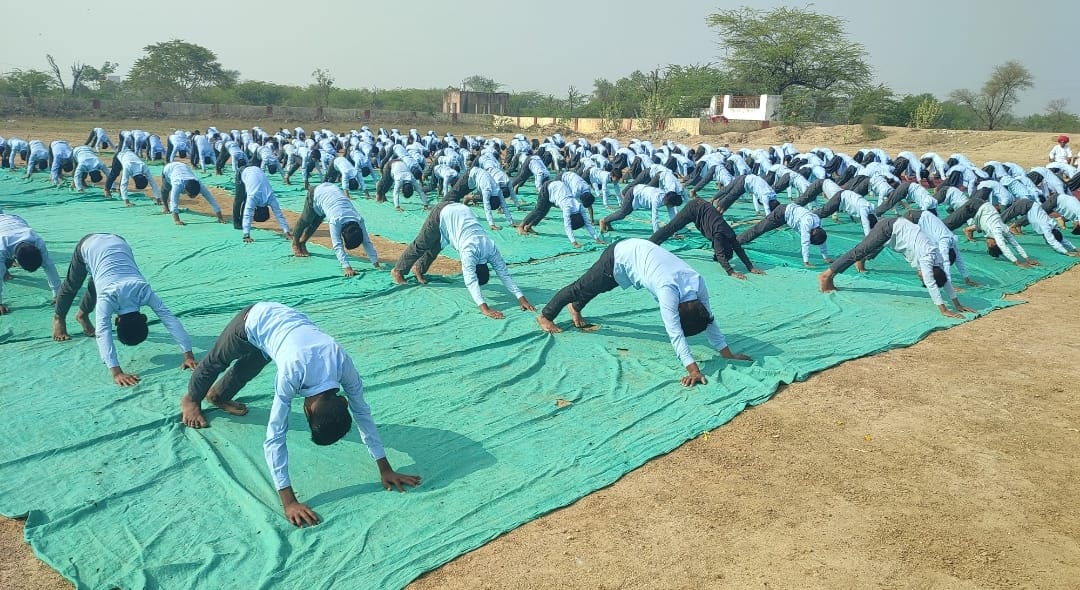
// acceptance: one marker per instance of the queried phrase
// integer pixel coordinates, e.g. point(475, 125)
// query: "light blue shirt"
point(308, 362)
point(122, 289)
point(644, 265)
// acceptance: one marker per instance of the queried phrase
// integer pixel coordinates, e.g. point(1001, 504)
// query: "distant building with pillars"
point(476, 103)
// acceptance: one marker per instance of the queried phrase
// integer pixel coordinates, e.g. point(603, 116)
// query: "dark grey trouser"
point(811, 193)
point(868, 248)
point(895, 196)
point(231, 346)
point(625, 208)
point(308, 222)
point(860, 185)
point(772, 221)
point(426, 247)
point(831, 206)
point(1019, 207)
point(727, 196)
point(600, 278)
point(543, 205)
point(966, 211)
point(76, 274)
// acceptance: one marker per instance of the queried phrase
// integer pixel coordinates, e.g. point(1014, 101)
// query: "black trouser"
point(966, 211)
point(727, 196)
point(76, 274)
point(459, 190)
point(868, 248)
point(712, 226)
point(308, 222)
point(779, 186)
point(772, 221)
point(848, 175)
point(238, 202)
point(114, 172)
point(600, 278)
point(543, 205)
point(426, 247)
point(895, 196)
point(955, 179)
point(700, 176)
point(231, 345)
point(1074, 183)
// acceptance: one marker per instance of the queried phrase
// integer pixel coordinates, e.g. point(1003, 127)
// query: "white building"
point(765, 107)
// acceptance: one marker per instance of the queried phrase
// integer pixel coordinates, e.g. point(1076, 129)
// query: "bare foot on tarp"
point(579, 322)
point(231, 407)
point(191, 413)
point(84, 322)
point(59, 330)
point(825, 283)
point(547, 325)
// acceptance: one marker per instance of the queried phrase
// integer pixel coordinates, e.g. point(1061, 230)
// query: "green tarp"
point(119, 494)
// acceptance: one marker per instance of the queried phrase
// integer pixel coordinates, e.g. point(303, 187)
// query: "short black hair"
point(483, 274)
point(352, 234)
point(773, 204)
point(329, 419)
point(577, 220)
point(818, 236)
point(1057, 234)
point(354, 184)
point(940, 278)
point(95, 175)
point(587, 199)
point(68, 166)
point(952, 255)
point(694, 317)
point(672, 199)
point(131, 328)
point(140, 181)
point(407, 190)
point(872, 219)
point(494, 201)
point(192, 187)
point(261, 213)
point(994, 251)
point(28, 256)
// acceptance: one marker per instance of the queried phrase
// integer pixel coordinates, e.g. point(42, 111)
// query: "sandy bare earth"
point(953, 463)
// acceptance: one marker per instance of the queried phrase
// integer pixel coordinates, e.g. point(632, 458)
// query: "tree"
point(77, 70)
point(177, 70)
point(690, 88)
point(998, 95)
point(324, 83)
point(30, 83)
point(789, 47)
point(876, 104)
point(477, 83)
point(97, 79)
point(573, 98)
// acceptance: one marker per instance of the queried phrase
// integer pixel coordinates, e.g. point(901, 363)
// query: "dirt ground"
point(949, 464)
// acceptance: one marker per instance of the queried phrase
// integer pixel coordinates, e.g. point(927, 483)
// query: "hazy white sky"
point(914, 45)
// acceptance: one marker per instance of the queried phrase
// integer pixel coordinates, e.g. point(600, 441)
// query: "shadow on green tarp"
point(120, 494)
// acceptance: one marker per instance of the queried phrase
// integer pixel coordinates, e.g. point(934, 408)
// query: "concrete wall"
point(107, 109)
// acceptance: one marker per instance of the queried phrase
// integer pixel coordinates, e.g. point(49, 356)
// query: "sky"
point(913, 46)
